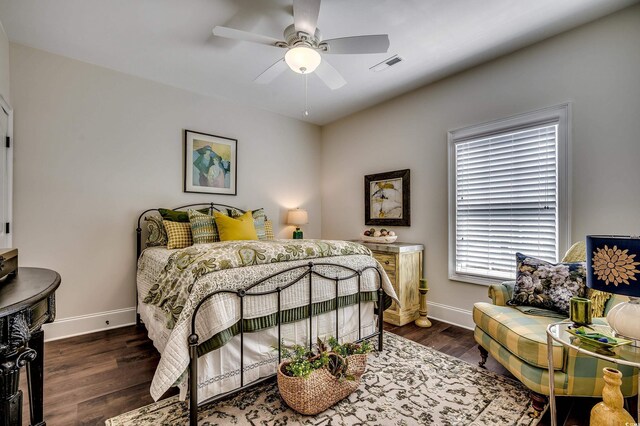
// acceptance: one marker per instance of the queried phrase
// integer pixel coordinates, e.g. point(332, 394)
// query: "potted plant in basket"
point(310, 382)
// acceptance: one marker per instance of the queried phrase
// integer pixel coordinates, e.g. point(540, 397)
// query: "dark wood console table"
point(26, 302)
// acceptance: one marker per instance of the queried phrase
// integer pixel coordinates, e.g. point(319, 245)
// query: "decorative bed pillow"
point(268, 231)
point(203, 228)
point(259, 219)
point(178, 233)
point(241, 228)
point(231, 212)
point(547, 285)
point(157, 233)
point(178, 215)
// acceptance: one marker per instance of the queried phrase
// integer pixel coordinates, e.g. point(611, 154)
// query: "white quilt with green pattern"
point(184, 267)
point(192, 273)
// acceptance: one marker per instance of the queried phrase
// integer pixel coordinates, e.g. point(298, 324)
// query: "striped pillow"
point(178, 233)
point(203, 228)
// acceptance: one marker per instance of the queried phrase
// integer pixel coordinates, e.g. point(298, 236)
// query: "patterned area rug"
point(406, 384)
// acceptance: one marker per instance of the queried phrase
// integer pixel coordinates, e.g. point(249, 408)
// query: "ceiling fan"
point(305, 46)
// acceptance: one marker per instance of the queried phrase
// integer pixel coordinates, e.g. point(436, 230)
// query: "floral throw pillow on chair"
point(547, 285)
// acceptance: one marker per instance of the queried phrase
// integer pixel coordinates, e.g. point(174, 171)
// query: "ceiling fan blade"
point(378, 43)
point(305, 15)
point(234, 34)
point(272, 72)
point(329, 75)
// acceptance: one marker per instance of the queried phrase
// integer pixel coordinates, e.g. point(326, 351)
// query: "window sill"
point(474, 279)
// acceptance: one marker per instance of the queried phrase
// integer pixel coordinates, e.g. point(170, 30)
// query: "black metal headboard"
point(212, 207)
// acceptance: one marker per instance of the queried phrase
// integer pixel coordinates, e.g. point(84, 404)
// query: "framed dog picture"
point(210, 163)
point(387, 199)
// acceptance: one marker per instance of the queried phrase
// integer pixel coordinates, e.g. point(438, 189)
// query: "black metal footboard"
point(307, 273)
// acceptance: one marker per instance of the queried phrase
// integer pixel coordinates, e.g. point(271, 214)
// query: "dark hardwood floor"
point(93, 377)
point(96, 376)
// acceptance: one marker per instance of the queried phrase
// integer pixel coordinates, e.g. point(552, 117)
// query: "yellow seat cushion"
point(525, 336)
point(240, 228)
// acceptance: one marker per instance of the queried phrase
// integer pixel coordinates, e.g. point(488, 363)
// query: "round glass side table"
point(624, 355)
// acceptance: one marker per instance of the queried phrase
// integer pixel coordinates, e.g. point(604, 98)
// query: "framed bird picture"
point(210, 163)
point(387, 198)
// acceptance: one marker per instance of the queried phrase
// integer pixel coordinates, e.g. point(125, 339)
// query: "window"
point(508, 193)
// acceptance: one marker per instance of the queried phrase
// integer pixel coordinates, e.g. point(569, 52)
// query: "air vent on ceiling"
point(386, 63)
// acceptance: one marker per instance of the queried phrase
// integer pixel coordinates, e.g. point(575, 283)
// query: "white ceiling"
point(170, 41)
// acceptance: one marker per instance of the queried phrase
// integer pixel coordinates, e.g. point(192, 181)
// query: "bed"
point(220, 312)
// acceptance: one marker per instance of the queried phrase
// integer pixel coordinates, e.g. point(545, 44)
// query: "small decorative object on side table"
point(8, 263)
point(580, 311)
point(403, 264)
point(623, 356)
point(423, 321)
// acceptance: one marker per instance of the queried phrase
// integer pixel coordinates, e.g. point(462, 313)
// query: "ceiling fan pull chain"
point(306, 95)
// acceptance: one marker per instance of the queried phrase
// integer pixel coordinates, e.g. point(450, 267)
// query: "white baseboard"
point(450, 314)
point(83, 324)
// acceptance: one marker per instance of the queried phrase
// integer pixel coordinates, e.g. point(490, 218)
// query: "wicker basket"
point(321, 390)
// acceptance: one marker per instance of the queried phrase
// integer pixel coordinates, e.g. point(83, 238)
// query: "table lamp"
point(613, 266)
point(297, 217)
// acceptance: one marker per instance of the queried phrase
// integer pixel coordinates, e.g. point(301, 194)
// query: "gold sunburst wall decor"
point(612, 264)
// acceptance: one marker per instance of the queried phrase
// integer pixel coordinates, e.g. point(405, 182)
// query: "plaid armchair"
point(518, 341)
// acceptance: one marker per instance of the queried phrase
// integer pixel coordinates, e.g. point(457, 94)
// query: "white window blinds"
point(506, 200)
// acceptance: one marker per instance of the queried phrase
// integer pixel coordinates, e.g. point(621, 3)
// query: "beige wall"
point(94, 148)
point(596, 67)
point(4, 64)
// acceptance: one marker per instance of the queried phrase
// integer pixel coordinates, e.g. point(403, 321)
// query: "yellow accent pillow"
point(240, 228)
point(178, 234)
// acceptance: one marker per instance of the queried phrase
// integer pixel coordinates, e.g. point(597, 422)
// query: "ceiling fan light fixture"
point(302, 59)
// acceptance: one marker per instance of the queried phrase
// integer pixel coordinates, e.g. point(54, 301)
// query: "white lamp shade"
point(302, 59)
point(297, 217)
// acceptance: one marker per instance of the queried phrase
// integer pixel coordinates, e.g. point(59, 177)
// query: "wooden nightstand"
point(403, 264)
